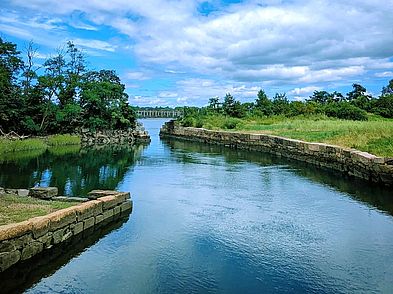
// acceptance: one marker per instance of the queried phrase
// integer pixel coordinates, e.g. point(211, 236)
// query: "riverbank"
point(8, 145)
point(350, 161)
point(374, 136)
point(85, 138)
point(23, 240)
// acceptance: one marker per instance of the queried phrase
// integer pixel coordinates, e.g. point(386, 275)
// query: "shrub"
point(231, 123)
point(384, 106)
point(199, 123)
point(345, 110)
point(188, 121)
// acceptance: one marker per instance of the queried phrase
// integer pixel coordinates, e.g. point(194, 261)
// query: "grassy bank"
point(37, 143)
point(374, 136)
point(16, 209)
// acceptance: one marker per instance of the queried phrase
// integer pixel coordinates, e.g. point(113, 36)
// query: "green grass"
point(7, 146)
point(16, 209)
point(61, 140)
point(374, 136)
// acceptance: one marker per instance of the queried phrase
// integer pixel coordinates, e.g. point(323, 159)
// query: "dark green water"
point(208, 219)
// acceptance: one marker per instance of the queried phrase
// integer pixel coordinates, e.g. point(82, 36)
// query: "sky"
point(183, 52)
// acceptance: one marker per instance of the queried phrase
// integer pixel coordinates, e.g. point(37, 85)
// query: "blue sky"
point(173, 52)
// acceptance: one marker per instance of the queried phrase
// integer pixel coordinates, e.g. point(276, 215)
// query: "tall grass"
point(60, 140)
point(7, 146)
point(374, 136)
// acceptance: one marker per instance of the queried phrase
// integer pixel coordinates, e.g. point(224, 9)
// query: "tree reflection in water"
point(74, 170)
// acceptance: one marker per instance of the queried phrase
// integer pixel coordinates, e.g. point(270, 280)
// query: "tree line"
point(60, 95)
point(354, 105)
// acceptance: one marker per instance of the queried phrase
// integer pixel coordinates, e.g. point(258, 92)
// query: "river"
point(208, 219)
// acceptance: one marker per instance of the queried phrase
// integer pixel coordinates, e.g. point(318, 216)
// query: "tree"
point(232, 107)
point(263, 103)
point(104, 101)
point(280, 104)
point(388, 90)
point(10, 99)
point(358, 91)
point(214, 104)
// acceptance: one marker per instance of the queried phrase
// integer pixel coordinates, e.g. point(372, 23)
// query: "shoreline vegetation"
point(356, 120)
point(374, 136)
point(37, 143)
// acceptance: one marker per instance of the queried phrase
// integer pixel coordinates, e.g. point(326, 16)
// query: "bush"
point(231, 123)
point(188, 121)
point(345, 110)
point(199, 123)
point(384, 106)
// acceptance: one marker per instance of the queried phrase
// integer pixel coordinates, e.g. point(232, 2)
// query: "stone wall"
point(104, 137)
point(353, 162)
point(21, 241)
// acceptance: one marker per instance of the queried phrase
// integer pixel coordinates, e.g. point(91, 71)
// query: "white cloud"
point(385, 74)
point(304, 91)
point(95, 44)
point(293, 44)
point(136, 75)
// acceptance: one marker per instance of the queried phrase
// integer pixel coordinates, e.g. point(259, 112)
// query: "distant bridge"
point(158, 113)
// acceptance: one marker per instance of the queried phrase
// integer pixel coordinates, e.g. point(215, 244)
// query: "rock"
point(2, 191)
point(94, 194)
point(31, 249)
point(8, 259)
point(11, 191)
point(69, 199)
point(43, 192)
point(23, 192)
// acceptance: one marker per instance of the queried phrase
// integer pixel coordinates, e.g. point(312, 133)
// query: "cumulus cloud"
point(296, 44)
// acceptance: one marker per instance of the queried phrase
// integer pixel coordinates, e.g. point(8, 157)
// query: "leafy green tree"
point(358, 91)
point(232, 107)
point(104, 101)
point(263, 103)
point(10, 100)
point(280, 104)
point(214, 104)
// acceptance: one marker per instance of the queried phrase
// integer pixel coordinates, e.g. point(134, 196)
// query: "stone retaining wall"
point(21, 241)
point(113, 137)
point(353, 162)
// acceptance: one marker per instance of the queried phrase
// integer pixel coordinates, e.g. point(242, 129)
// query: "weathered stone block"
point(46, 240)
point(22, 192)
point(108, 214)
point(88, 223)
point(70, 199)
point(7, 259)
point(77, 228)
point(126, 206)
point(39, 226)
point(16, 243)
point(100, 193)
point(31, 249)
point(108, 202)
point(99, 218)
point(58, 236)
point(116, 210)
point(62, 218)
point(85, 210)
point(43, 192)
point(14, 230)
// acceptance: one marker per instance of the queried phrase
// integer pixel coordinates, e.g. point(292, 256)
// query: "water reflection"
point(375, 196)
point(73, 170)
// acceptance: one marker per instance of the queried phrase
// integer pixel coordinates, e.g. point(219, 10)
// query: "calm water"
point(210, 219)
